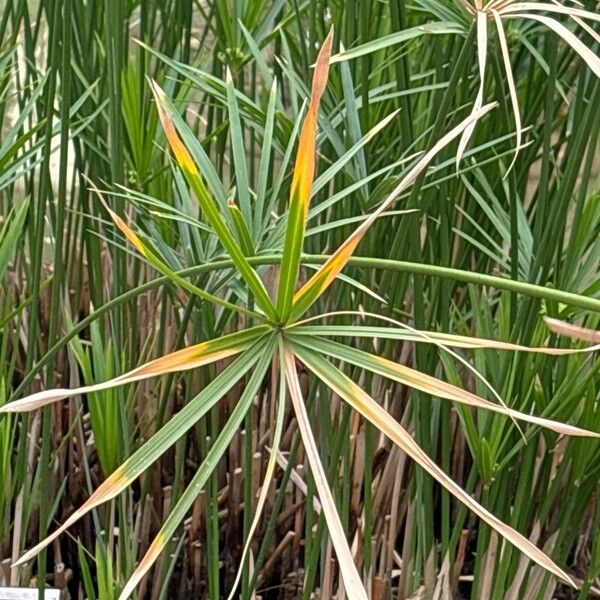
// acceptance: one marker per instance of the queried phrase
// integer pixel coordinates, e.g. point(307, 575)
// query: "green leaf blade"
point(304, 171)
point(208, 205)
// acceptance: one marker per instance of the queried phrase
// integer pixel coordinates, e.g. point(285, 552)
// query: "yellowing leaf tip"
point(322, 69)
point(179, 149)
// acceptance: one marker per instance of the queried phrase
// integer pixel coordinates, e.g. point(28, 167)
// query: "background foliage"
point(78, 306)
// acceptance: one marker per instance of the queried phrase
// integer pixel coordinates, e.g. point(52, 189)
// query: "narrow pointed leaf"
point(135, 240)
point(447, 339)
point(511, 85)
point(397, 37)
point(300, 191)
point(355, 284)
point(431, 385)
point(142, 458)
point(352, 582)
point(353, 153)
point(204, 471)
point(400, 328)
point(262, 216)
point(181, 360)
point(320, 281)
point(547, 7)
point(481, 59)
point(208, 205)
point(358, 399)
point(327, 176)
point(238, 152)
point(241, 229)
point(269, 471)
point(592, 61)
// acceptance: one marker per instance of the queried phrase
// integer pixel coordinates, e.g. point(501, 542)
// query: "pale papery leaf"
point(352, 582)
point(172, 430)
point(511, 86)
point(434, 386)
point(582, 24)
point(593, 33)
point(592, 61)
point(545, 6)
point(481, 59)
point(575, 332)
point(327, 273)
point(358, 399)
point(496, 4)
point(111, 487)
point(269, 471)
point(445, 340)
point(203, 472)
point(440, 341)
point(467, 6)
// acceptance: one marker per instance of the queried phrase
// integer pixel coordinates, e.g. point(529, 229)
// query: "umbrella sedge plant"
point(487, 16)
point(280, 336)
